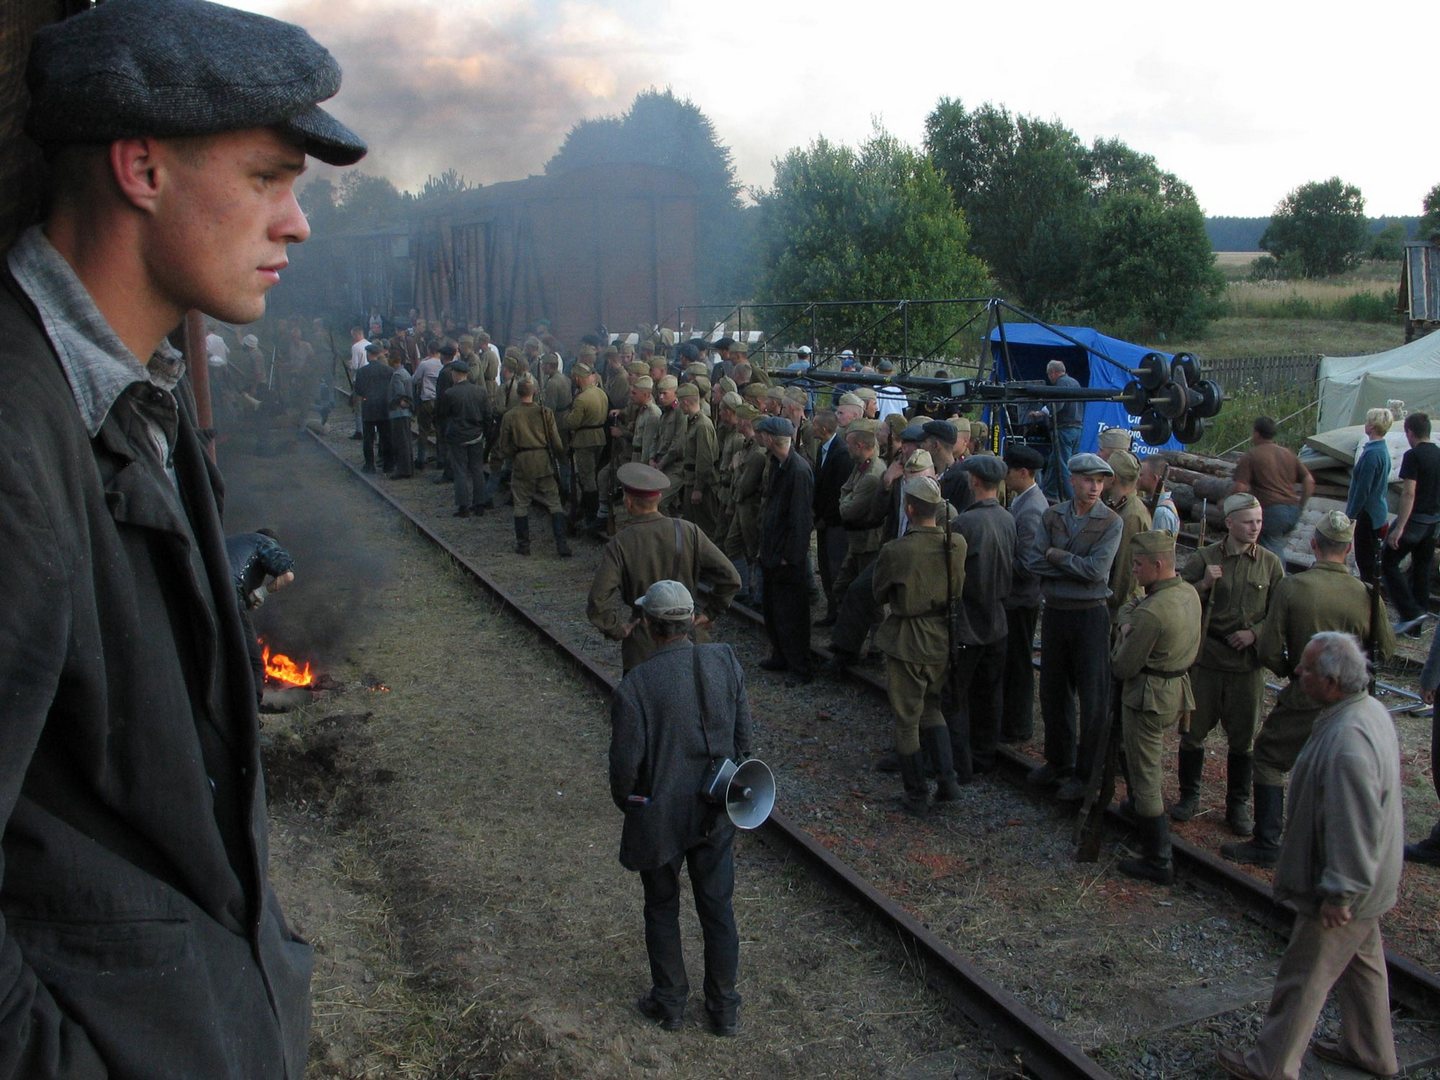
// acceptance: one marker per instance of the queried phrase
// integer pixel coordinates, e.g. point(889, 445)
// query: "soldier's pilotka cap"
point(776, 425)
point(688, 390)
point(752, 390)
point(1020, 456)
point(897, 422)
point(923, 489)
point(731, 400)
point(775, 393)
point(642, 480)
point(638, 367)
point(1125, 465)
point(864, 393)
point(848, 398)
point(746, 411)
point(644, 382)
point(173, 68)
point(580, 368)
point(668, 600)
point(863, 426)
point(1152, 543)
point(697, 368)
point(1337, 527)
point(727, 384)
point(942, 430)
point(1114, 438)
point(1241, 500)
point(1090, 465)
point(795, 396)
point(668, 382)
point(979, 430)
point(919, 461)
point(987, 467)
point(913, 433)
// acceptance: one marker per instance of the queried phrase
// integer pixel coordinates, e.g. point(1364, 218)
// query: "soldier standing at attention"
point(1158, 639)
point(669, 456)
point(653, 548)
point(1325, 597)
point(747, 485)
point(855, 504)
point(1236, 579)
point(529, 443)
point(911, 578)
point(701, 462)
point(585, 427)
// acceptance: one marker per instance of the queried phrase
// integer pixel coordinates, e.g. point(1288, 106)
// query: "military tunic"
point(1229, 684)
point(858, 497)
point(669, 455)
point(909, 577)
point(701, 471)
point(742, 541)
point(530, 442)
point(1152, 661)
point(1134, 519)
point(585, 423)
point(655, 548)
point(1325, 597)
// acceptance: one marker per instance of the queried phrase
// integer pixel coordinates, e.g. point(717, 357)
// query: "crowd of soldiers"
point(918, 541)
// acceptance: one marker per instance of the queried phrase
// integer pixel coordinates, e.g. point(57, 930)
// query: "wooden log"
point(1183, 459)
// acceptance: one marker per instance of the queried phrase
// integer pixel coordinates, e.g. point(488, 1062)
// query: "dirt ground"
point(448, 844)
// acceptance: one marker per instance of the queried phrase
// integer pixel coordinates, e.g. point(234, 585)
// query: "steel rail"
point(1001, 1017)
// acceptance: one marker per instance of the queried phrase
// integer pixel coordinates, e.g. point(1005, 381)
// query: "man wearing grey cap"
point(784, 546)
point(141, 937)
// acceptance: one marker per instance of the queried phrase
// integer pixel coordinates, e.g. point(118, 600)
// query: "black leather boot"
point(936, 741)
point(558, 527)
point(1154, 863)
point(1239, 775)
point(915, 798)
point(1192, 765)
point(522, 536)
point(1264, 848)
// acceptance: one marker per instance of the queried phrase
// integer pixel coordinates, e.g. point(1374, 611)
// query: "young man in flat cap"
point(1236, 579)
point(784, 548)
point(1325, 597)
point(140, 934)
point(1157, 639)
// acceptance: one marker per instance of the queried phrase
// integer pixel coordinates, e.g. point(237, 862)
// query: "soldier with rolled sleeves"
point(1157, 641)
point(1325, 597)
point(913, 578)
point(1072, 557)
point(989, 533)
point(585, 428)
point(529, 443)
point(653, 548)
point(1022, 606)
point(784, 547)
point(1236, 579)
point(701, 463)
point(1120, 496)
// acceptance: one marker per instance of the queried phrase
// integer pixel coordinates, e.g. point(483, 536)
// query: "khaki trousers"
point(914, 691)
point(1144, 749)
point(1231, 699)
point(1350, 958)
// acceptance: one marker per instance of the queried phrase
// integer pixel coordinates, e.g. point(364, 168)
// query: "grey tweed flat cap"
point(173, 68)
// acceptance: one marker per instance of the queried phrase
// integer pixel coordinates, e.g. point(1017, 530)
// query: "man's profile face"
point(219, 230)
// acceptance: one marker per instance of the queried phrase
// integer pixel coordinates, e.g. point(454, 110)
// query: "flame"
point(284, 670)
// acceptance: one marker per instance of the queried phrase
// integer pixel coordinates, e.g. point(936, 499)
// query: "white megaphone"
point(746, 791)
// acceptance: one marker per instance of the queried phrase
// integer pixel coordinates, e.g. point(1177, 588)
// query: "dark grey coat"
point(789, 513)
point(657, 747)
point(139, 935)
point(989, 533)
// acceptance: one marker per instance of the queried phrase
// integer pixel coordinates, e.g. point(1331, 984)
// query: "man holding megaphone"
point(679, 721)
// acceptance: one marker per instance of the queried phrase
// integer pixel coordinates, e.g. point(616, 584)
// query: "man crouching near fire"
point(140, 936)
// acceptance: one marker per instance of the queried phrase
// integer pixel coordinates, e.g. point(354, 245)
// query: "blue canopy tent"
point(1031, 346)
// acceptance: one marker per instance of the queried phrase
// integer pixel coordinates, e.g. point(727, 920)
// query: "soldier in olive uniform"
point(1120, 496)
point(858, 498)
point(585, 425)
point(1157, 641)
point(701, 462)
point(669, 454)
point(654, 548)
point(727, 432)
point(911, 579)
point(747, 488)
point(1325, 597)
point(529, 443)
point(1236, 578)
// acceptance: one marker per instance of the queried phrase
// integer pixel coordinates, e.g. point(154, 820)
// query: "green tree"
point(661, 129)
point(317, 200)
point(1321, 224)
point(1430, 206)
point(363, 201)
point(873, 223)
point(1388, 245)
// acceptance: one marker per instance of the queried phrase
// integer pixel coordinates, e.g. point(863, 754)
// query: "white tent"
point(1349, 385)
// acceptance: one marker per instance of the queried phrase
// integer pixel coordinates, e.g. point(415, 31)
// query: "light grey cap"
point(1090, 465)
point(172, 68)
point(668, 600)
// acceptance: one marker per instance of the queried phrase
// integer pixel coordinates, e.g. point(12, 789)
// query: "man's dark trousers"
point(787, 615)
point(977, 682)
point(1017, 715)
point(377, 429)
point(712, 878)
point(830, 542)
point(1074, 660)
point(1410, 592)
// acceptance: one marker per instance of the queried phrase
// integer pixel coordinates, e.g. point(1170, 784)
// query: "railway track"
point(1007, 1020)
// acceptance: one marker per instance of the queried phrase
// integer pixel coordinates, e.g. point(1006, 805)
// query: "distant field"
point(1235, 264)
point(1253, 336)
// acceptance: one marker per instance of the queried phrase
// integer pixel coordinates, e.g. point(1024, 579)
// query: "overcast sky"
point(1243, 101)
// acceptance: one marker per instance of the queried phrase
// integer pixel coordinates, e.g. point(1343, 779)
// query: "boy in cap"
point(135, 832)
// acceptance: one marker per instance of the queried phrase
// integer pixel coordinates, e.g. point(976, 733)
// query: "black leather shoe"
point(774, 663)
point(724, 1027)
point(1046, 776)
point(1423, 852)
point(799, 678)
point(464, 511)
point(653, 1010)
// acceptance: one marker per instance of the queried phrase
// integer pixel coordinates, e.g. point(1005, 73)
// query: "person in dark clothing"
point(784, 545)
point(672, 715)
point(462, 414)
point(1415, 527)
point(372, 386)
point(140, 935)
point(832, 468)
point(1022, 606)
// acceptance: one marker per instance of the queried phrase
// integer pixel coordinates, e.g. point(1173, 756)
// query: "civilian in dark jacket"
point(784, 545)
point(372, 385)
point(671, 716)
point(832, 468)
point(1022, 607)
point(462, 414)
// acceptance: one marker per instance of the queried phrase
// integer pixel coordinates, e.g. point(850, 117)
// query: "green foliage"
point(366, 202)
point(1389, 244)
point(1098, 231)
point(1430, 205)
point(1322, 223)
point(1243, 403)
point(661, 129)
point(317, 200)
point(873, 223)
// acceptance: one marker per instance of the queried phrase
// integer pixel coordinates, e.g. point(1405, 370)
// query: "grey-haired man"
point(140, 935)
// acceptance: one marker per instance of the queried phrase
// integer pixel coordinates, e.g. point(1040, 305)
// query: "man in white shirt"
point(358, 359)
point(426, 372)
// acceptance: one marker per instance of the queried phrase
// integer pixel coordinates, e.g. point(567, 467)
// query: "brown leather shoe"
point(1233, 1062)
point(1330, 1050)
